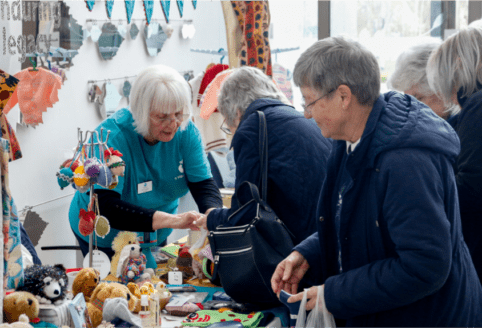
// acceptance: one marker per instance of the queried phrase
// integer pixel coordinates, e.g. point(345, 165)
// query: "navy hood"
point(400, 121)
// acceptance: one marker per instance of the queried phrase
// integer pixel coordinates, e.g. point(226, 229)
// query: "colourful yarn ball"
point(92, 167)
point(116, 165)
point(65, 177)
point(114, 183)
point(80, 177)
point(104, 178)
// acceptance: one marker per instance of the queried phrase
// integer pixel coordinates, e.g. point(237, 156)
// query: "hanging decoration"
point(194, 3)
point(129, 9)
point(165, 5)
point(126, 90)
point(134, 31)
point(109, 4)
point(95, 32)
point(121, 28)
point(180, 5)
point(148, 8)
point(90, 4)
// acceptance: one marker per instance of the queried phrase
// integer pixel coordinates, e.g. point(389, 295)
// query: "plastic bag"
point(319, 317)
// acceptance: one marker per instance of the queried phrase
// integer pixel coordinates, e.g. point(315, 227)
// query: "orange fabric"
point(209, 100)
point(35, 92)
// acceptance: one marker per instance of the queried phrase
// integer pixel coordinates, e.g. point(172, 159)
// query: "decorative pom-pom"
point(116, 165)
point(86, 222)
point(92, 167)
point(65, 177)
point(80, 177)
point(104, 178)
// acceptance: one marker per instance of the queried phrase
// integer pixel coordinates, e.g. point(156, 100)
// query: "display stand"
point(101, 145)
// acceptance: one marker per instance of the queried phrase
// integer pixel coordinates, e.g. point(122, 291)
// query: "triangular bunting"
point(129, 9)
point(194, 3)
point(165, 5)
point(108, 6)
point(90, 4)
point(180, 5)
point(148, 8)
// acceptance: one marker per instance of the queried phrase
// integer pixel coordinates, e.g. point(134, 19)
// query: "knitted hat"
point(209, 76)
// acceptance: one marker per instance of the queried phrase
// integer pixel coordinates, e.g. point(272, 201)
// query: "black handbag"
point(246, 255)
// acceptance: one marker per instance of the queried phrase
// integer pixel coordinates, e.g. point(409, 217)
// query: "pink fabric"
point(209, 100)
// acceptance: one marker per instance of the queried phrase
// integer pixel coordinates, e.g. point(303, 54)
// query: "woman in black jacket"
point(454, 71)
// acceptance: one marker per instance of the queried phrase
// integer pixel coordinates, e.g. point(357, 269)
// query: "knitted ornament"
point(104, 178)
point(114, 161)
point(68, 163)
point(82, 189)
point(65, 177)
point(92, 167)
point(80, 178)
point(184, 261)
point(114, 183)
point(102, 226)
point(86, 222)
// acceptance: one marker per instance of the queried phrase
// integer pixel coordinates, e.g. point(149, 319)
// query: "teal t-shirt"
point(166, 165)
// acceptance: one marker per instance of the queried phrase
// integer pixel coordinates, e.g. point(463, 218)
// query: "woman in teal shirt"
point(164, 159)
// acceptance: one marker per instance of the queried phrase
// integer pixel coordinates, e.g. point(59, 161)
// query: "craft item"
point(85, 34)
point(114, 183)
point(80, 177)
point(171, 250)
point(175, 277)
point(65, 177)
point(20, 303)
point(181, 305)
point(92, 168)
point(82, 189)
point(184, 261)
point(105, 176)
point(86, 222)
point(126, 89)
point(194, 3)
point(95, 32)
point(115, 162)
point(102, 225)
point(132, 265)
point(180, 6)
point(90, 4)
point(85, 282)
point(112, 97)
point(118, 308)
point(205, 318)
point(129, 9)
point(134, 31)
point(78, 312)
point(47, 283)
point(165, 5)
point(108, 6)
point(121, 28)
point(122, 239)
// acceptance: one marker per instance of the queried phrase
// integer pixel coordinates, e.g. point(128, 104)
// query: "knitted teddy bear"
point(122, 239)
point(85, 282)
point(104, 291)
point(18, 303)
point(132, 265)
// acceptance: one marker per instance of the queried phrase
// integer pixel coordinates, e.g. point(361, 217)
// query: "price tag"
point(100, 261)
point(175, 277)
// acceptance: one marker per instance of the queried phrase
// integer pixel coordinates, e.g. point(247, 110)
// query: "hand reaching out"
point(289, 273)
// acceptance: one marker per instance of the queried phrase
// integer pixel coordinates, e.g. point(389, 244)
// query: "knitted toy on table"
point(47, 283)
point(122, 239)
point(132, 265)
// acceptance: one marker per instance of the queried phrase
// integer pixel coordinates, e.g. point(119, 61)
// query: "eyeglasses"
point(224, 128)
point(164, 121)
point(306, 107)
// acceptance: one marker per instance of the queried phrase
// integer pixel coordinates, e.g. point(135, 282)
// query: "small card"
point(144, 187)
point(175, 277)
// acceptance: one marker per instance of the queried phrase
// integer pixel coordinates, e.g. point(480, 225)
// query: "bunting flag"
point(90, 4)
point(180, 5)
point(129, 9)
point(194, 3)
point(148, 8)
point(108, 6)
point(165, 5)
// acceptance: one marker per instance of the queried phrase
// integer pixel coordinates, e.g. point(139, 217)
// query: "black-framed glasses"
point(224, 128)
point(306, 107)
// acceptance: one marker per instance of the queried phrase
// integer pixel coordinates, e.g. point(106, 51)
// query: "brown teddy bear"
point(85, 282)
point(122, 239)
point(104, 291)
point(18, 303)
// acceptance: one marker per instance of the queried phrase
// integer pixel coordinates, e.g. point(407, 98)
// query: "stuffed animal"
point(104, 291)
point(47, 283)
point(132, 265)
point(21, 323)
point(18, 303)
point(85, 282)
point(122, 239)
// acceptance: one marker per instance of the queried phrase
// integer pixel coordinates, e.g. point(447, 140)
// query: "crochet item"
point(80, 178)
point(65, 177)
point(104, 178)
point(36, 91)
point(136, 265)
point(118, 308)
point(205, 318)
point(171, 251)
point(92, 167)
point(86, 222)
point(148, 8)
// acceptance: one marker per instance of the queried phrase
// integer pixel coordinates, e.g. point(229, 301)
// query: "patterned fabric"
point(8, 83)
point(137, 266)
point(35, 92)
point(148, 8)
point(8, 133)
point(129, 9)
point(166, 5)
point(109, 4)
point(205, 318)
point(13, 264)
point(282, 80)
point(180, 6)
point(90, 4)
point(253, 17)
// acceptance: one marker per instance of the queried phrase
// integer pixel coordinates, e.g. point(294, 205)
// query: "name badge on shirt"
point(144, 187)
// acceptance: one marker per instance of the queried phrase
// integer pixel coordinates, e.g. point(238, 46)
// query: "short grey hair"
point(245, 85)
point(161, 89)
point(411, 67)
point(334, 61)
point(456, 64)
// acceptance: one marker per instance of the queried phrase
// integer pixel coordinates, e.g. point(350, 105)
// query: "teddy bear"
point(104, 291)
point(21, 323)
point(85, 282)
point(47, 283)
point(18, 303)
point(132, 265)
point(122, 239)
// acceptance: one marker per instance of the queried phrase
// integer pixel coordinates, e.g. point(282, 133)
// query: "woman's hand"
point(185, 220)
point(289, 273)
point(311, 296)
point(203, 220)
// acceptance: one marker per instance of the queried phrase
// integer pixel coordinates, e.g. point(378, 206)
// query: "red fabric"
point(209, 76)
point(86, 222)
point(72, 270)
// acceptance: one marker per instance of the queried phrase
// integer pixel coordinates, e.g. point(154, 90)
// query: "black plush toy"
point(47, 283)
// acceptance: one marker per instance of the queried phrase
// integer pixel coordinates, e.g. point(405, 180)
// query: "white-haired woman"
point(388, 249)
point(455, 72)
point(297, 152)
point(410, 77)
point(164, 158)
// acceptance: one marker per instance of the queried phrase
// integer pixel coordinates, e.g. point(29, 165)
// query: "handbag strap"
point(263, 155)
